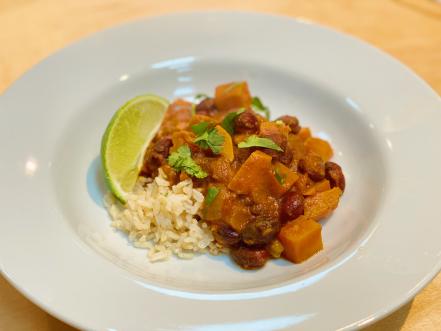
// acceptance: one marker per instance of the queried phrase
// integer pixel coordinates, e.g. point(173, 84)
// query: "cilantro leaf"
point(200, 128)
point(258, 106)
point(211, 139)
point(211, 195)
point(181, 161)
point(228, 121)
point(279, 176)
point(255, 141)
point(201, 96)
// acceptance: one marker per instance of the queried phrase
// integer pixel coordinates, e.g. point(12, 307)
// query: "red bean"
point(246, 123)
point(313, 165)
point(286, 155)
point(260, 231)
point(162, 146)
point(291, 206)
point(206, 107)
point(225, 235)
point(250, 258)
point(335, 175)
point(292, 122)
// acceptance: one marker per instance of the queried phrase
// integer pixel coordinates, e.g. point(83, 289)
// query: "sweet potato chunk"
point(272, 130)
point(254, 176)
point(304, 133)
point(239, 137)
point(304, 183)
point(320, 147)
point(238, 216)
point(257, 178)
point(220, 169)
point(176, 118)
point(301, 239)
point(232, 95)
point(322, 204)
point(214, 211)
point(227, 149)
point(284, 177)
point(180, 138)
point(321, 186)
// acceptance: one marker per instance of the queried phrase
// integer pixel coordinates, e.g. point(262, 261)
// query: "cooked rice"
point(162, 218)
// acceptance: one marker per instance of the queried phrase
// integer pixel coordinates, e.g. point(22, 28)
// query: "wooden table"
point(410, 30)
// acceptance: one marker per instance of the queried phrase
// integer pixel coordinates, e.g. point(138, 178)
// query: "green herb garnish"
point(279, 176)
point(258, 106)
point(211, 139)
point(181, 161)
point(200, 96)
point(200, 128)
point(255, 141)
point(228, 121)
point(211, 195)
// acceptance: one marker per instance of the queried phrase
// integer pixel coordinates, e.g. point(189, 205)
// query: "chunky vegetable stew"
point(266, 182)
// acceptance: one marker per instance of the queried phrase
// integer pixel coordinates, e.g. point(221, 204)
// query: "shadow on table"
point(393, 322)
point(57, 325)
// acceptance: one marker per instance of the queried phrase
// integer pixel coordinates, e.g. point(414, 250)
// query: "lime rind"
point(150, 107)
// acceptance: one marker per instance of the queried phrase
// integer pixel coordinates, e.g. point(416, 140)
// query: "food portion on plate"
point(218, 176)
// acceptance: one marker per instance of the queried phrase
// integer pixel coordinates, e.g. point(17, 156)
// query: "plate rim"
point(361, 323)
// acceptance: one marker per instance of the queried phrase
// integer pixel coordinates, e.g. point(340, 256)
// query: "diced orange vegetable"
point(239, 137)
point(321, 186)
point(252, 178)
point(221, 170)
point(297, 146)
point(232, 95)
point(227, 149)
point(284, 177)
point(320, 147)
point(272, 129)
point(256, 177)
point(180, 138)
point(177, 117)
point(304, 183)
point(214, 210)
point(226, 208)
point(304, 133)
point(322, 204)
point(301, 239)
point(238, 216)
point(197, 118)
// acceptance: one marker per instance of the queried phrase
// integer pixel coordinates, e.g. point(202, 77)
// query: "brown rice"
point(162, 218)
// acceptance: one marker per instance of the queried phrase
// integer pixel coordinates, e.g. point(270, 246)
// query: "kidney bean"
point(312, 165)
point(286, 155)
point(246, 123)
point(162, 146)
point(335, 175)
point(250, 258)
point(206, 107)
point(225, 235)
point(291, 206)
point(261, 231)
point(292, 122)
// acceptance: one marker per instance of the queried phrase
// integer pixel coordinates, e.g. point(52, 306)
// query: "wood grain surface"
point(409, 30)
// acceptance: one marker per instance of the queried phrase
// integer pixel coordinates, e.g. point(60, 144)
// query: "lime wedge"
point(125, 140)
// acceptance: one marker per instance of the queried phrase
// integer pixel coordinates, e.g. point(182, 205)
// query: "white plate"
point(381, 246)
